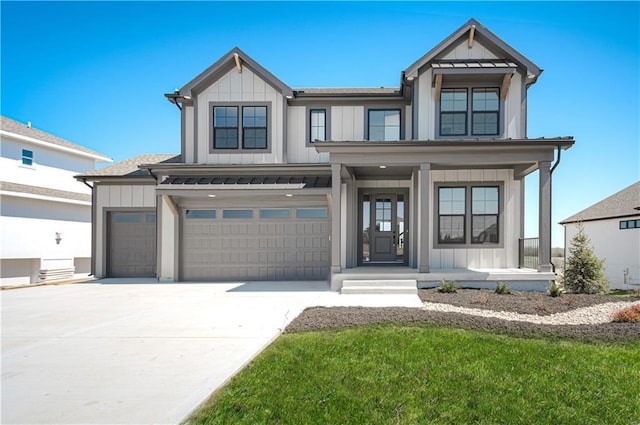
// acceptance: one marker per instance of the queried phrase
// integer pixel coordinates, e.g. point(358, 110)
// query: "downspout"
point(158, 216)
point(93, 229)
point(555, 165)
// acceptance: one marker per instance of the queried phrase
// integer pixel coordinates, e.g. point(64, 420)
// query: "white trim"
point(43, 197)
point(54, 146)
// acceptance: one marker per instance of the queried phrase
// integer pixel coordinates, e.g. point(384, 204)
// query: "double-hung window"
point(474, 207)
point(27, 157)
point(225, 127)
point(254, 127)
point(464, 116)
point(237, 127)
point(317, 124)
point(384, 124)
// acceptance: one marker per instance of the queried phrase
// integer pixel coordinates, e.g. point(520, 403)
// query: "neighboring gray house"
point(424, 181)
point(613, 225)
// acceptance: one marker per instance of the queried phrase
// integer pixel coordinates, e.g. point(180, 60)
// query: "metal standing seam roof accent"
point(466, 64)
point(11, 126)
point(624, 203)
point(44, 191)
point(308, 181)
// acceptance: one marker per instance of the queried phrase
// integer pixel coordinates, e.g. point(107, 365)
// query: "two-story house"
point(45, 214)
point(423, 181)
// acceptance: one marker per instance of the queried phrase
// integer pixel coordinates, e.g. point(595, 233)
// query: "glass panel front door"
point(383, 228)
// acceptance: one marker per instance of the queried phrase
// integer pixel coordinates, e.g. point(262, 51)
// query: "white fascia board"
point(43, 198)
point(50, 145)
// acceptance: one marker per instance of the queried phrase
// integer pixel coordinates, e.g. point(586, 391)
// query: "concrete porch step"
point(379, 286)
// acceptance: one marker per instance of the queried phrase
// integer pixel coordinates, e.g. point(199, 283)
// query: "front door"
point(384, 232)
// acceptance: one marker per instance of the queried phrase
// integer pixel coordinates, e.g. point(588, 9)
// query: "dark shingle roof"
point(129, 167)
point(622, 204)
point(44, 191)
point(9, 125)
point(364, 91)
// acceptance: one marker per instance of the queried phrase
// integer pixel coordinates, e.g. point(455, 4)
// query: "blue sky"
point(95, 72)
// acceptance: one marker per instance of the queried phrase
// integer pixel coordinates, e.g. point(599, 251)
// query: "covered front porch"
point(389, 220)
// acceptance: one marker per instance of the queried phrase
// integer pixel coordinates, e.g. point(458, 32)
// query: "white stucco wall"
point(620, 248)
point(29, 222)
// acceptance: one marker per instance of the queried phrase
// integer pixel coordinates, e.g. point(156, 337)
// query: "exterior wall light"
point(58, 238)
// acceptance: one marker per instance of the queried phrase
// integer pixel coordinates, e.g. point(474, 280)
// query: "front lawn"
point(394, 374)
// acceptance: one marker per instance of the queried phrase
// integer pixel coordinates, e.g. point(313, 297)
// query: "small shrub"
point(629, 314)
point(447, 286)
point(502, 288)
point(555, 290)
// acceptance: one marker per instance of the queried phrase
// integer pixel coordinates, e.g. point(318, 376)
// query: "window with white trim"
point(27, 157)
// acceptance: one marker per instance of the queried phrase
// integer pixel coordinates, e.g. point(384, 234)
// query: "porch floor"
point(524, 279)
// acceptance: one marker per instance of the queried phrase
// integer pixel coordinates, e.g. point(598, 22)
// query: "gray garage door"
point(255, 244)
point(132, 244)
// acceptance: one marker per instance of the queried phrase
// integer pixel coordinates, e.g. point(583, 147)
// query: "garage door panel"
point(132, 244)
point(256, 248)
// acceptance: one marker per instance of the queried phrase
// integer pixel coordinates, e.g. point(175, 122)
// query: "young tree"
point(584, 272)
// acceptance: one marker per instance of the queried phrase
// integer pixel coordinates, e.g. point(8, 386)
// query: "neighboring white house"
point(424, 181)
point(45, 214)
point(613, 225)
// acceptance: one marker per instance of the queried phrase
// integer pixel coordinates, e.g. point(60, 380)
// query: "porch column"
point(423, 218)
point(336, 183)
point(544, 217)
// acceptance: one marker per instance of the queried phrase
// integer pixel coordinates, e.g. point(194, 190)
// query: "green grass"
point(393, 374)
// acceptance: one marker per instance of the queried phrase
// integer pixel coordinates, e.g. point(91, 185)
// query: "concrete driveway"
point(139, 353)
point(133, 353)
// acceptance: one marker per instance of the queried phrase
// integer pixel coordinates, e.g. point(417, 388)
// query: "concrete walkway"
point(136, 352)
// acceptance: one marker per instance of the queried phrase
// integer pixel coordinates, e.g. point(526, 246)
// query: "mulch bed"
point(318, 318)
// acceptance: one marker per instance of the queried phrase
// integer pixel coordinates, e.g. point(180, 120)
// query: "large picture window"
point(474, 207)
point(477, 116)
point(240, 127)
point(384, 124)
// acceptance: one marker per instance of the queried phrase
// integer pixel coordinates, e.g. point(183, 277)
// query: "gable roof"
point(130, 167)
point(11, 127)
point(224, 65)
point(621, 204)
point(494, 40)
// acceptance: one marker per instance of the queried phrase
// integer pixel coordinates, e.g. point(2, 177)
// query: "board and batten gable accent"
point(504, 256)
point(121, 198)
point(427, 105)
point(246, 86)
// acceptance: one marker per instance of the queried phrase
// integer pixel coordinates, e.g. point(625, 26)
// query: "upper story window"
point(254, 127)
point(225, 127)
point(384, 124)
point(318, 124)
point(464, 116)
point(240, 127)
point(465, 206)
point(27, 157)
